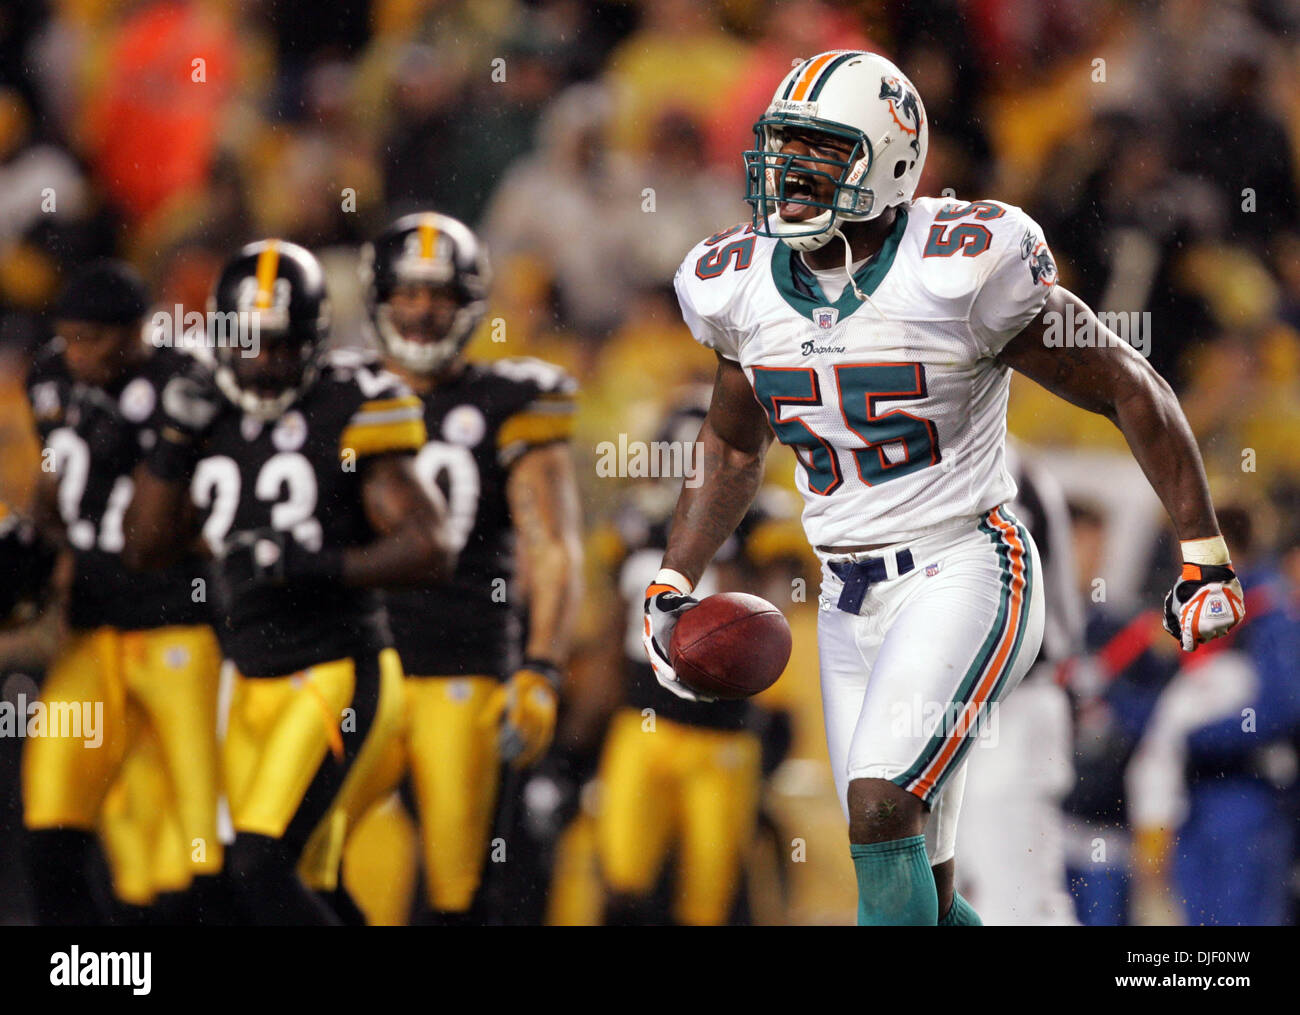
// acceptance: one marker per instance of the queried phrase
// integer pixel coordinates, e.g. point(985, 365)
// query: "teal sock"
point(961, 914)
point(895, 885)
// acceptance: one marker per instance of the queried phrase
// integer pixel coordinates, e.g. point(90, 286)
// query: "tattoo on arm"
point(542, 491)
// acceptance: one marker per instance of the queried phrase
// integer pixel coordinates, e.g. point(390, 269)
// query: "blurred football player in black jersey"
point(481, 690)
point(140, 647)
point(300, 466)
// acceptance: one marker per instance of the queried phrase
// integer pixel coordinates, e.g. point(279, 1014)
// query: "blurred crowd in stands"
point(592, 142)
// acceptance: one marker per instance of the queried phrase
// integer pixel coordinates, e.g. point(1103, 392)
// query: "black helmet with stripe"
point(439, 271)
point(267, 322)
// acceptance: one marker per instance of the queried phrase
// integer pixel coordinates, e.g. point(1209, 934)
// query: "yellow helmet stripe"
point(268, 264)
point(428, 238)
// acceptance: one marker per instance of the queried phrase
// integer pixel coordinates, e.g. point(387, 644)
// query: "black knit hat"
point(105, 292)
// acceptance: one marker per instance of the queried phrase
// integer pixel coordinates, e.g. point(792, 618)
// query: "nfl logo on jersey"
point(826, 317)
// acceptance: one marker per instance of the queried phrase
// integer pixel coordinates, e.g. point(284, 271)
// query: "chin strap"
point(848, 267)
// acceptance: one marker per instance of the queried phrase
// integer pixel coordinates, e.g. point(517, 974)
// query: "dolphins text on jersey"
point(894, 405)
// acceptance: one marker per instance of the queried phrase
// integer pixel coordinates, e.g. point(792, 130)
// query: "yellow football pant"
point(381, 862)
point(455, 767)
point(289, 770)
point(151, 696)
point(577, 893)
point(669, 784)
point(140, 830)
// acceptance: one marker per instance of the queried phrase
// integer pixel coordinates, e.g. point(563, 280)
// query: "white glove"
point(665, 602)
point(1206, 604)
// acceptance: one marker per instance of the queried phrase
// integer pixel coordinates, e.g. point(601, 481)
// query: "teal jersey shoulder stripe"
point(868, 277)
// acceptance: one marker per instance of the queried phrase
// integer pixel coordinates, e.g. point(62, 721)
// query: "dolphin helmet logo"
point(904, 108)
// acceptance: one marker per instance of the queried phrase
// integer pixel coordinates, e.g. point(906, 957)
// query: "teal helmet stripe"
point(830, 69)
point(794, 78)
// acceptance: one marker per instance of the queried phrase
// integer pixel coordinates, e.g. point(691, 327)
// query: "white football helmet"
point(850, 94)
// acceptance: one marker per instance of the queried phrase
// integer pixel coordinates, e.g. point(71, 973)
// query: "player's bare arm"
point(543, 495)
point(158, 528)
point(733, 447)
point(45, 507)
point(1112, 379)
point(411, 548)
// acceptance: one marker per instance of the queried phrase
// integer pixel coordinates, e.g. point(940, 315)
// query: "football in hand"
point(731, 646)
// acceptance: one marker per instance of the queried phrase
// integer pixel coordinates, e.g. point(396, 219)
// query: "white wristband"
point(679, 581)
point(1207, 551)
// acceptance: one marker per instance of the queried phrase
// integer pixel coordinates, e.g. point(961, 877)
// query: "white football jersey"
point(895, 407)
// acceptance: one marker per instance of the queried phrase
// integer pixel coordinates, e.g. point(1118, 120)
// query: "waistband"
point(859, 571)
point(943, 530)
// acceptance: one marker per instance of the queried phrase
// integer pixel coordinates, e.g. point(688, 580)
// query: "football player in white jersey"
point(875, 335)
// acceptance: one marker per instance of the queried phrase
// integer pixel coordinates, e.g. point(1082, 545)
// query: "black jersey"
point(302, 473)
point(93, 438)
point(480, 423)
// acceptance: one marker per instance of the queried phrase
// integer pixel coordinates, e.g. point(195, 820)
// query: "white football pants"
point(910, 683)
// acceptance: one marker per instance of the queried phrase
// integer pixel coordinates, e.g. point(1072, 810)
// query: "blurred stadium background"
point(593, 143)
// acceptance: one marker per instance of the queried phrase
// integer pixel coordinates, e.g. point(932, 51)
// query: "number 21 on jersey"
point(72, 458)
